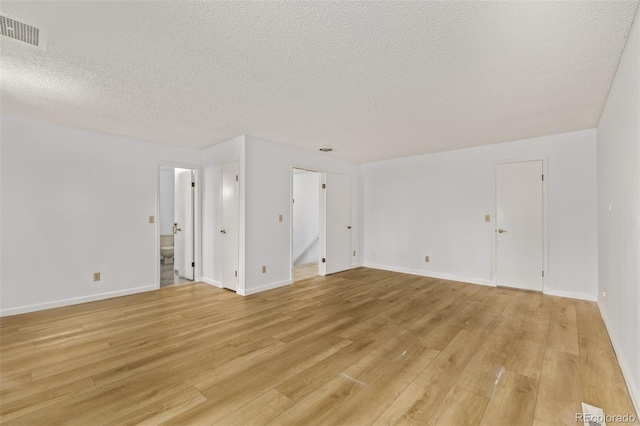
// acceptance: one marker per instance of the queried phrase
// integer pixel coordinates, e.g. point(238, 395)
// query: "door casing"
point(545, 220)
point(322, 266)
point(230, 260)
point(197, 218)
point(183, 239)
point(335, 229)
point(292, 215)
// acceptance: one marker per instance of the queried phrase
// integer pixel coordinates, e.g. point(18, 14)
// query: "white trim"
point(545, 218)
point(241, 218)
point(211, 282)
point(247, 292)
point(291, 214)
point(458, 278)
point(571, 295)
point(356, 265)
point(75, 300)
point(429, 274)
point(322, 270)
point(624, 365)
point(242, 244)
point(197, 213)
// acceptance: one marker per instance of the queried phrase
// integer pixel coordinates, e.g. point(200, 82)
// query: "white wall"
point(306, 216)
point(167, 200)
point(268, 194)
point(212, 160)
point(75, 202)
point(435, 205)
point(619, 228)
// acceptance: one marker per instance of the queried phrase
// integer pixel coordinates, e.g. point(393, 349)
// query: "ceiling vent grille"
point(22, 31)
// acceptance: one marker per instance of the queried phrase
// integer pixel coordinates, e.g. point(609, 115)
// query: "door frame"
point(323, 221)
point(545, 218)
point(240, 289)
point(197, 219)
point(320, 215)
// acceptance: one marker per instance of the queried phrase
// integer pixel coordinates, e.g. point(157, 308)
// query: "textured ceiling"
point(373, 80)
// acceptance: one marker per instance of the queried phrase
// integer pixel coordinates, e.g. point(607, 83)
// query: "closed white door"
point(183, 226)
point(335, 235)
point(230, 225)
point(519, 225)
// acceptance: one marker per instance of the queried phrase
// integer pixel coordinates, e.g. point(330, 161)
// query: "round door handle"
point(222, 231)
point(500, 231)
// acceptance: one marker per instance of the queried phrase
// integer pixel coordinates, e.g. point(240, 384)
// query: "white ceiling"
point(373, 80)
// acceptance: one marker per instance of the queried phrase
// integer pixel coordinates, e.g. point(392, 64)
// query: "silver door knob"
point(222, 231)
point(500, 231)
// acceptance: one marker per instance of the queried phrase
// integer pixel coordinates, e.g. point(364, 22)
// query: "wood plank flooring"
point(356, 348)
point(304, 271)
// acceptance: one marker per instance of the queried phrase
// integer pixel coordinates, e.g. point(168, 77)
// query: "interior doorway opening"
point(305, 224)
point(176, 225)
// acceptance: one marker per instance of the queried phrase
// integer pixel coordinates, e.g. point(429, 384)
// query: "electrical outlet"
point(280, 218)
point(426, 259)
point(487, 218)
point(152, 219)
point(604, 294)
point(354, 252)
point(264, 269)
point(96, 276)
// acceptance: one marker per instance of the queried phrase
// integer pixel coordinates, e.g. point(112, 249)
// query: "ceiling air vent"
point(20, 30)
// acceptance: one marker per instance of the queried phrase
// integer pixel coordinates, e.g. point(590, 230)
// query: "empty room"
point(337, 213)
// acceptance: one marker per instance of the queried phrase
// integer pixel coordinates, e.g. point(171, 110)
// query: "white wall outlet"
point(152, 219)
point(426, 259)
point(280, 218)
point(264, 269)
point(604, 294)
point(354, 252)
point(96, 276)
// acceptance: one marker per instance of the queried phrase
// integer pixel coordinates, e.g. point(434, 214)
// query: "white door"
point(519, 225)
point(335, 233)
point(183, 226)
point(230, 225)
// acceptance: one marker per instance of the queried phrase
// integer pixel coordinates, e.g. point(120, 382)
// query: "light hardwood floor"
point(356, 348)
point(304, 271)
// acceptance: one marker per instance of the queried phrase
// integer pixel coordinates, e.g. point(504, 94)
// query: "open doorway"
point(176, 225)
point(305, 224)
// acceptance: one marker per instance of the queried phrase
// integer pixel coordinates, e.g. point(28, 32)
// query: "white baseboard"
point(247, 292)
point(572, 295)
point(74, 300)
point(429, 274)
point(356, 265)
point(633, 387)
point(211, 282)
point(452, 277)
